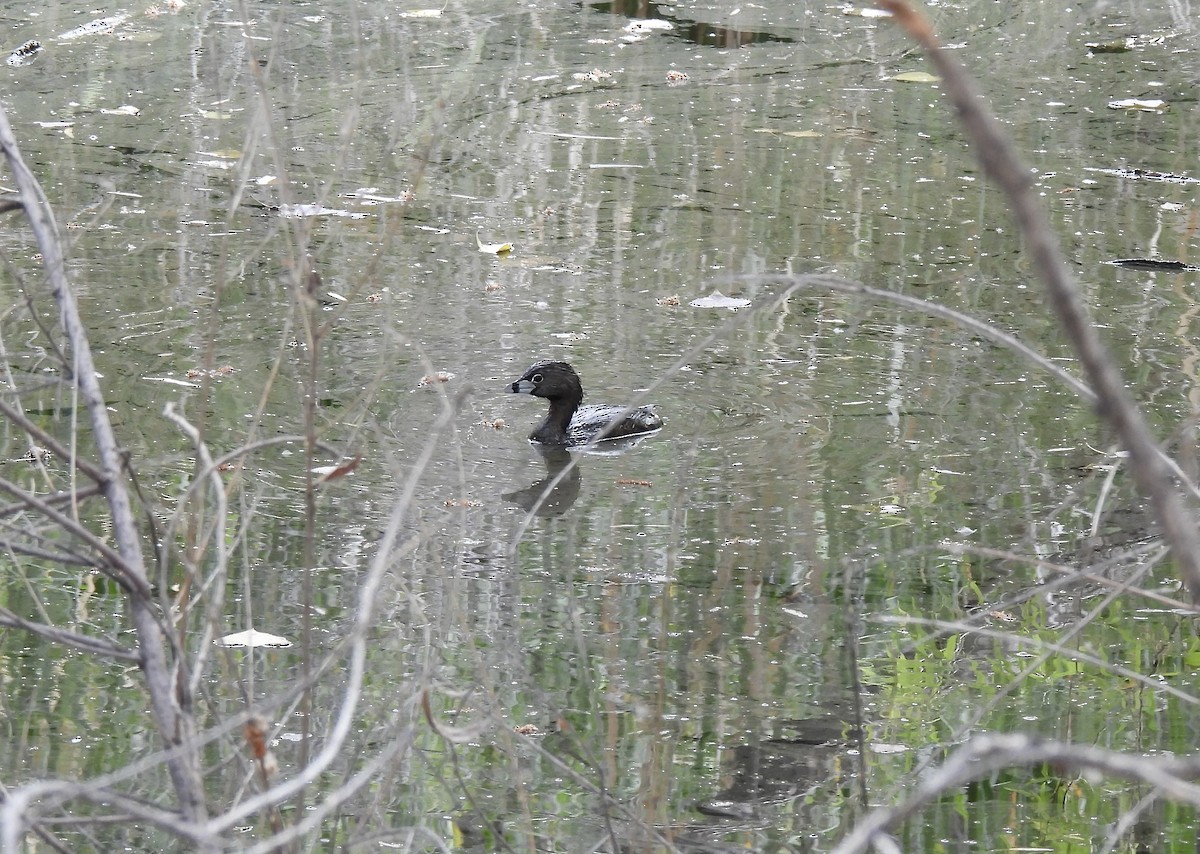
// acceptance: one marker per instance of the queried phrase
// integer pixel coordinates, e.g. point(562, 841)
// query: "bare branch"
point(83, 643)
point(988, 754)
point(343, 722)
point(49, 441)
point(1000, 161)
point(174, 726)
point(120, 571)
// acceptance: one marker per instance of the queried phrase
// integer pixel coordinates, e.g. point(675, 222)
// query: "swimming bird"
point(568, 423)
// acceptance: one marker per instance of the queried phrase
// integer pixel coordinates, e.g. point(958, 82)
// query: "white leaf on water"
point(252, 638)
point(718, 300)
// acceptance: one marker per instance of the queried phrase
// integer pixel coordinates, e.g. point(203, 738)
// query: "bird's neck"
point(553, 430)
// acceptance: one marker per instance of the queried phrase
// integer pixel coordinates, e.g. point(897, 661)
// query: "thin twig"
point(985, 755)
point(174, 726)
point(83, 643)
point(1000, 161)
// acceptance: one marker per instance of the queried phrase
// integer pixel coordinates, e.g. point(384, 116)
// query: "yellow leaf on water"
point(493, 248)
point(916, 77)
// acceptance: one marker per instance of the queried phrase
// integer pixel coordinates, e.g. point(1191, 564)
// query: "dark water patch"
point(693, 31)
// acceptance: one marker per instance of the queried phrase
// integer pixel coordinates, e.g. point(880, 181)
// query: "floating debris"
point(593, 76)
point(166, 6)
point(435, 379)
point(37, 455)
point(674, 78)
point(718, 300)
point(1154, 264)
point(303, 211)
point(25, 53)
point(223, 371)
point(126, 110)
point(1118, 46)
point(96, 27)
point(328, 473)
point(799, 134)
point(649, 25)
point(1145, 175)
point(1142, 105)
point(372, 196)
point(1129, 43)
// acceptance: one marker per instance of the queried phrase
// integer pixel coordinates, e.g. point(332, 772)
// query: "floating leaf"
point(493, 248)
point(328, 473)
point(718, 300)
point(252, 638)
point(1152, 105)
point(1119, 46)
point(649, 25)
point(916, 77)
point(868, 12)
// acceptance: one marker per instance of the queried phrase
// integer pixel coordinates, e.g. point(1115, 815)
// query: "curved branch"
point(1001, 163)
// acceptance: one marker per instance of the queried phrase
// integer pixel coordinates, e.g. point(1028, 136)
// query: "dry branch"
point(175, 726)
point(1000, 161)
point(986, 755)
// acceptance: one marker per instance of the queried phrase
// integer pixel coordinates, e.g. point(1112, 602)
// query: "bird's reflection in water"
point(563, 494)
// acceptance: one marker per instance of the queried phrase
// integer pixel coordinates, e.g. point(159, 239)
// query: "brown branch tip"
point(913, 22)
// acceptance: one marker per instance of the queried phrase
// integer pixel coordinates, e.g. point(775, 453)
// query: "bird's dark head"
point(551, 380)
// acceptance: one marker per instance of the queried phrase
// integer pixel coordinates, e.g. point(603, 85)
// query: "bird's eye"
point(537, 378)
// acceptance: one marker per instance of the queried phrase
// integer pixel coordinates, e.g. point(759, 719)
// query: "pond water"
point(725, 629)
